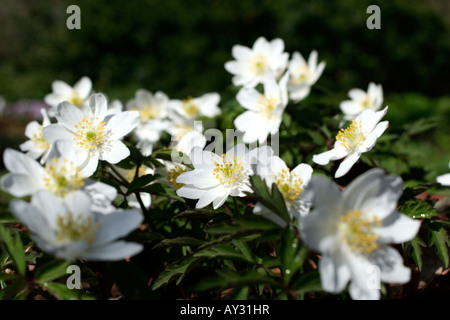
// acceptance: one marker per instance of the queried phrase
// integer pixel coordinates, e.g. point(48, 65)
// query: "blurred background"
point(180, 47)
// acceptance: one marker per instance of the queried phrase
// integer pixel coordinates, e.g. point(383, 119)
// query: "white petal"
point(17, 162)
point(30, 217)
point(356, 94)
point(248, 98)
point(122, 123)
point(391, 265)
point(374, 192)
point(444, 179)
point(347, 164)
point(118, 250)
point(117, 151)
point(98, 105)
point(334, 273)
point(240, 52)
point(398, 228)
point(190, 192)
point(61, 88)
point(116, 225)
point(327, 156)
point(83, 87)
point(68, 115)
point(363, 285)
point(198, 178)
point(304, 172)
point(20, 185)
point(55, 132)
point(350, 107)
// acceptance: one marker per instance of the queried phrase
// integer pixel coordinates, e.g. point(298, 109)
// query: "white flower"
point(360, 100)
point(291, 185)
point(352, 231)
point(359, 137)
point(76, 95)
point(303, 75)
point(215, 177)
point(193, 108)
point(190, 140)
point(264, 111)
point(94, 135)
point(61, 175)
point(251, 65)
point(180, 126)
point(153, 110)
point(68, 229)
point(170, 172)
point(37, 146)
point(444, 179)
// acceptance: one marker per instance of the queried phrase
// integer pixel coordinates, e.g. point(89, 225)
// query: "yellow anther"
point(229, 170)
point(351, 136)
point(301, 74)
point(38, 139)
point(289, 183)
point(89, 134)
point(62, 178)
point(71, 228)
point(357, 231)
point(258, 64)
point(173, 174)
point(190, 107)
point(267, 105)
point(75, 99)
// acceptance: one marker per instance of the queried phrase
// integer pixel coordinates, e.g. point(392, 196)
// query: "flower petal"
point(115, 251)
point(116, 225)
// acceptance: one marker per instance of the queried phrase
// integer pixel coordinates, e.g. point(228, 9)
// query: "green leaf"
point(416, 251)
point(51, 270)
point(162, 190)
point(292, 254)
point(233, 279)
point(308, 282)
point(418, 209)
point(439, 239)
point(14, 248)
point(179, 241)
point(61, 292)
point(244, 249)
point(141, 182)
point(222, 251)
point(176, 271)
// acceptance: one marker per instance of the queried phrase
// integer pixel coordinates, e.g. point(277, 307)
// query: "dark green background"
point(180, 47)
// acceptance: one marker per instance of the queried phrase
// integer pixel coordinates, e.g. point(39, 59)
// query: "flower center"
point(258, 64)
point(289, 183)
point(75, 99)
point(62, 177)
point(351, 136)
point(71, 228)
point(148, 112)
point(190, 107)
point(301, 74)
point(357, 231)
point(229, 170)
point(267, 105)
point(38, 139)
point(366, 102)
point(173, 174)
point(89, 135)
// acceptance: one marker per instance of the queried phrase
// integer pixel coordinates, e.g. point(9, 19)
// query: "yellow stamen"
point(289, 183)
point(75, 99)
point(190, 107)
point(89, 135)
point(38, 139)
point(301, 74)
point(71, 228)
point(351, 136)
point(267, 105)
point(147, 112)
point(229, 170)
point(62, 176)
point(258, 64)
point(366, 103)
point(357, 231)
point(173, 174)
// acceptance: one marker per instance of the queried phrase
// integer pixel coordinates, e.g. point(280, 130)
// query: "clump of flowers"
point(280, 209)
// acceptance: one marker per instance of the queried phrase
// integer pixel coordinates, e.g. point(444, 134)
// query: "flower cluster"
point(92, 172)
